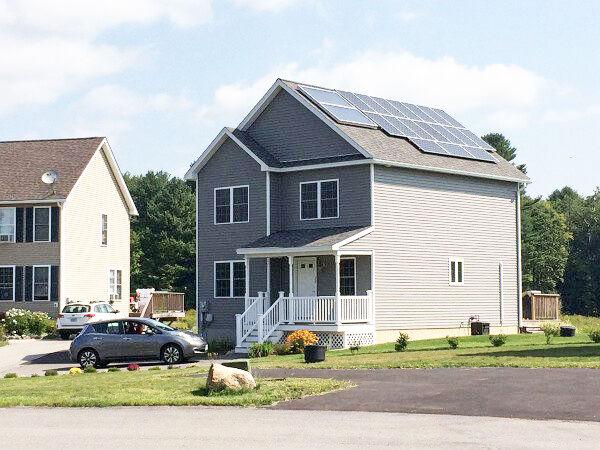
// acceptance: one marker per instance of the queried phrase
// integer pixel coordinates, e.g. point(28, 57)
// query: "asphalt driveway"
point(567, 394)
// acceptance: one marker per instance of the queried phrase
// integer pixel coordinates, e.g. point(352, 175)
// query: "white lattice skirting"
point(336, 339)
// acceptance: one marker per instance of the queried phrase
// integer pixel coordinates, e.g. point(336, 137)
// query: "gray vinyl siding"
point(290, 132)
point(354, 198)
point(421, 220)
point(230, 166)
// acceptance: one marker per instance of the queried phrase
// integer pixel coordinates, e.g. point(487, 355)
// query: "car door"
point(108, 339)
point(141, 342)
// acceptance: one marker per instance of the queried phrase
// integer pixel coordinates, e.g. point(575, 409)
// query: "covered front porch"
point(325, 289)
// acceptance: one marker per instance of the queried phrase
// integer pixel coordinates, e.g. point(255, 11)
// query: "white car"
point(75, 316)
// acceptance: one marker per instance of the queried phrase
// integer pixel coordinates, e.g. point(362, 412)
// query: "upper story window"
point(231, 204)
point(8, 224)
point(41, 224)
point(41, 282)
point(319, 200)
point(456, 271)
point(230, 279)
point(104, 229)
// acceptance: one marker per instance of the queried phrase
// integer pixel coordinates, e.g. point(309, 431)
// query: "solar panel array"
point(431, 130)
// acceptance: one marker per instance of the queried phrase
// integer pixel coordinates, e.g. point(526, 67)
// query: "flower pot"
point(314, 353)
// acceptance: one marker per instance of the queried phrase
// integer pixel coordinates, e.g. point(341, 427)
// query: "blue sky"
point(160, 79)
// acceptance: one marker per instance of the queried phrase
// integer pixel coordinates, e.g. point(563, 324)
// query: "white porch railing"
point(356, 309)
point(247, 321)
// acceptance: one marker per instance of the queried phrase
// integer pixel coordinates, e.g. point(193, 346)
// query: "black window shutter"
point(55, 223)
point(20, 216)
point(28, 224)
point(28, 284)
point(54, 280)
point(18, 284)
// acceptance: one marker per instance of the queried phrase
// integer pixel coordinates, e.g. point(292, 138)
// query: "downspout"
point(519, 262)
point(61, 258)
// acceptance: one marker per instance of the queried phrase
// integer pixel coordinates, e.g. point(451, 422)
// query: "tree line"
point(560, 238)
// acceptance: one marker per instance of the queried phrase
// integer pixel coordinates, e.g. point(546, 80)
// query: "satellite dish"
point(50, 177)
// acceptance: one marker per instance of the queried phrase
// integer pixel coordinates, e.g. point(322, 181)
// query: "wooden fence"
point(538, 306)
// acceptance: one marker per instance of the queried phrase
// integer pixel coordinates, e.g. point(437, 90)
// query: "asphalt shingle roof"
point(318, 237)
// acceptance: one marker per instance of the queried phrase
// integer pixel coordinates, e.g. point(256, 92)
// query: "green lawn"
point(141, 388)
point(524, 350)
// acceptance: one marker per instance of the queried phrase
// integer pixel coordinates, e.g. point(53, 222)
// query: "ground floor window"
point(115, 284)
point(456, 271)
point(41, 282)
point(348, 276)
point(230, 279)
point(7, 283)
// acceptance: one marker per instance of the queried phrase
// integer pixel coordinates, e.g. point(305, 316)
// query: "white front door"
point(306, 277)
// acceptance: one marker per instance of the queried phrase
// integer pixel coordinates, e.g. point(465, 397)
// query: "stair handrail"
point(272, 318)
point(249, 316)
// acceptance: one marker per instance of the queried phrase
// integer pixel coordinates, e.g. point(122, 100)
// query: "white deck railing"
point(247, 321)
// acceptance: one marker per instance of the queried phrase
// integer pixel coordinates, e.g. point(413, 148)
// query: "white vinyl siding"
point(8, 224)
point(231, 204)
point(421, 221)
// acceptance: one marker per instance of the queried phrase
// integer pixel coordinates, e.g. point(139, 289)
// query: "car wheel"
point(88, 358)
point(65, 334)
point(171, 354)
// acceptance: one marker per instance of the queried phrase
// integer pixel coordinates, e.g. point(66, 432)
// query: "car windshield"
point(76, 309)
point(160, 325)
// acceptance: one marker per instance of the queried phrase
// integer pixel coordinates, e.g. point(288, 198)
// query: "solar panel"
point(431, 130)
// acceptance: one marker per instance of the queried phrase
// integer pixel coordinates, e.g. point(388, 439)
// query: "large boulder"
point(221, 377)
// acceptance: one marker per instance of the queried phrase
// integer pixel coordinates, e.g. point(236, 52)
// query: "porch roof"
point(304, 241)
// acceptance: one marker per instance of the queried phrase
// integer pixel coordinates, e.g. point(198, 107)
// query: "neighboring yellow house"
point(64, 225)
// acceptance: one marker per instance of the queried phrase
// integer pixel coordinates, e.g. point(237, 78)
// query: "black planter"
point(567, 331)
point(314, 353)
point(480, 328)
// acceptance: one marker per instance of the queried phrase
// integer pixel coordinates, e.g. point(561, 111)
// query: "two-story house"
point(64, 225)
point(356, 217)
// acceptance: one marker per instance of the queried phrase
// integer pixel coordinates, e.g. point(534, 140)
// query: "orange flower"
point(297, 340)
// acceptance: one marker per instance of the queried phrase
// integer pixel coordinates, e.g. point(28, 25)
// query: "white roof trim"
point(270, 95)
point(33, 202)
point(352, 238)
point(213, 147)
point(112, 162)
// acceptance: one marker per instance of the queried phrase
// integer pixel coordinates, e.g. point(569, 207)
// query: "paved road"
point(568, 394)
point(223, 428)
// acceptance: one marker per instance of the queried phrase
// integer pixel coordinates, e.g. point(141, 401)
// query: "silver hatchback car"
point(134, 339)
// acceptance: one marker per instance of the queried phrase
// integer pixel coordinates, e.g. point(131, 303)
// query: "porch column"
point(247, 267)
point(268, 293)
point(291, 311)
point(338, 303)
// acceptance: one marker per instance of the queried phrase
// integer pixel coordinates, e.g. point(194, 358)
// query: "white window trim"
point(450, 262)
point(337, 186)
point(230, 278)
point(110, 292)
point(355, 271)
point(14, 272)
point(14, 236)
point(102, 244)
point(49, 223)
point(49, 283)
point(231, 188)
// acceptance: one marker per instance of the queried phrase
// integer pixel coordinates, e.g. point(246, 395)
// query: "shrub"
point(51, 373)
point(154, 368)
point(75, 371)
point(170, 367)
point(452, 341)
point(133, 367)
point(2, 333)
point(34, 375)
point(10, 375)
point(498, 340)
point(221, 345)
point(259, 350)
point(280, 349)
point(401, 342)
point(594, 335)
point(297, 340)
point(114, 369)
point(21, 322)
point(90, 369)
point(550, 330)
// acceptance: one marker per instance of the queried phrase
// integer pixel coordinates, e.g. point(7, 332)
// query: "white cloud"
point(509, 91)
point(565, 115)
point(49, 49)
point(266, 5)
